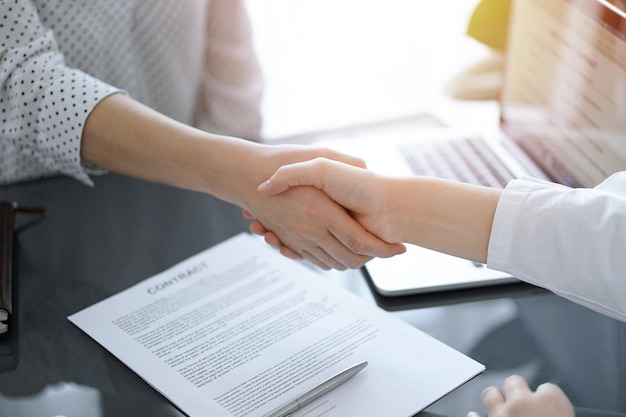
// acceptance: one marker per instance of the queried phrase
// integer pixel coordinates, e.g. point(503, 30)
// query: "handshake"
point(335, 213)
point(344, 215)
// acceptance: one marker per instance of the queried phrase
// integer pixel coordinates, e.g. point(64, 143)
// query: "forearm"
point(446, 216)
point(126, 137)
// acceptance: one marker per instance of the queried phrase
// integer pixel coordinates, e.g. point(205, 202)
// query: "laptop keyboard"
point(468, 160)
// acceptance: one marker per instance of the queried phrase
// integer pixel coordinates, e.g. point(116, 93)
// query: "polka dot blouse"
point(191, 60)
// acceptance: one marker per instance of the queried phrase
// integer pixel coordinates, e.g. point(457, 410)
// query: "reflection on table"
point(53, 367)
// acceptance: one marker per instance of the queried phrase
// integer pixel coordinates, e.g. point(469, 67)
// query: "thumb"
point(273, 186)
point(294, 175)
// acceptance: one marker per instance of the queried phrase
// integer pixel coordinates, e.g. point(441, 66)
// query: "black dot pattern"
point(59, 58)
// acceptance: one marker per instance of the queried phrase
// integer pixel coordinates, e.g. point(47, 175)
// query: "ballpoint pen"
point(317, 391)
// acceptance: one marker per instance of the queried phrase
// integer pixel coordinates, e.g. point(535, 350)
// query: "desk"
point(92, 243)
point(96, 242)
point(539, 336)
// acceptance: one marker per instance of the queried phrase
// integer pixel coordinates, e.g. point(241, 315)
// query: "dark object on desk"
point(8, 291)
point(8, 256)
point(6, 265)
point(451, 296)
point(9, 284)
point(92, 243)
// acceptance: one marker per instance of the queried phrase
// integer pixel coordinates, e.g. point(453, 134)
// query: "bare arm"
point(126, 137)
point(445, 216)
point(442, 215)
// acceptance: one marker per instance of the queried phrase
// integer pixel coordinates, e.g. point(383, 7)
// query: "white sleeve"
point(43, 103)
point(569, 241)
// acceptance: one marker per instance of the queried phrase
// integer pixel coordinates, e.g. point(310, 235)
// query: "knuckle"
point(340, 266)
point(487, 392)
point(354, 262)
point(356, 246)
point(549, 389)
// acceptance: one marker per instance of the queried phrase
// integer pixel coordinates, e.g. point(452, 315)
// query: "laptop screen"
point(564, 96)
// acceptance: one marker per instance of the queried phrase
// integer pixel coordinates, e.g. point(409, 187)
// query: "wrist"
point(398, 209)
point(445, 216)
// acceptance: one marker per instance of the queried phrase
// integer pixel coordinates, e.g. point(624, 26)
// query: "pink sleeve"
point(232, 85)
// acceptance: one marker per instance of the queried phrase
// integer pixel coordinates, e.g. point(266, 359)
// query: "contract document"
point(239, 330)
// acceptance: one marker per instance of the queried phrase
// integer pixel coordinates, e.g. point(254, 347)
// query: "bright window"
point(332, 63)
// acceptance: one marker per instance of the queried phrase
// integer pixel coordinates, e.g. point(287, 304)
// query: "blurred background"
point(337, 63)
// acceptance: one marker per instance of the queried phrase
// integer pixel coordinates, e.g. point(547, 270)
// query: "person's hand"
point(305, 222)
point(361, 192)
point(127, 137)
point(517, 400)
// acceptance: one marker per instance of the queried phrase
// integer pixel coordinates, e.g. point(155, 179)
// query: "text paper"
point(239, 330)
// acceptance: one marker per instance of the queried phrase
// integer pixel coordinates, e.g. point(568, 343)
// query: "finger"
point(349, 244)
point(315, 260)
point(322, 260)
point(340, 265)
point(515, 385)
point(257, 228)
point(549, 393)
point(285, 250)
point(289, 253)
point(294, 175)
point(317, 256)
point(272, 240)
point(325, 258)
point(341, 253)
point(492, 398)
point(247, 214)
point(358, 240)
point(322, 255)
point(356, 246)
point(550, 390)
point(547, 386)
point(324, 248)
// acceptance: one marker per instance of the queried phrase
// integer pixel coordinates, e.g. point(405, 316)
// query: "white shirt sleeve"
point(569, 241)
point(43, 103)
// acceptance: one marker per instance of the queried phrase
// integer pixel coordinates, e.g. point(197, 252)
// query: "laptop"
point(562, 117)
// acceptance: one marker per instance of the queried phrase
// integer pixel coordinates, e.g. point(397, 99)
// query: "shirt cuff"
point(508, 218)
point(71, 99)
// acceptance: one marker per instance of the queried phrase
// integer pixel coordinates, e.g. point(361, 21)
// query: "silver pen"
point(317, 391)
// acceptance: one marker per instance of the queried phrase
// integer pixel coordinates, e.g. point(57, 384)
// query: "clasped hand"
point(307, 223)
point(369, 198)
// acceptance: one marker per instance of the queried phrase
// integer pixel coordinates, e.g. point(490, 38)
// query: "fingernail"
point(264, 186)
